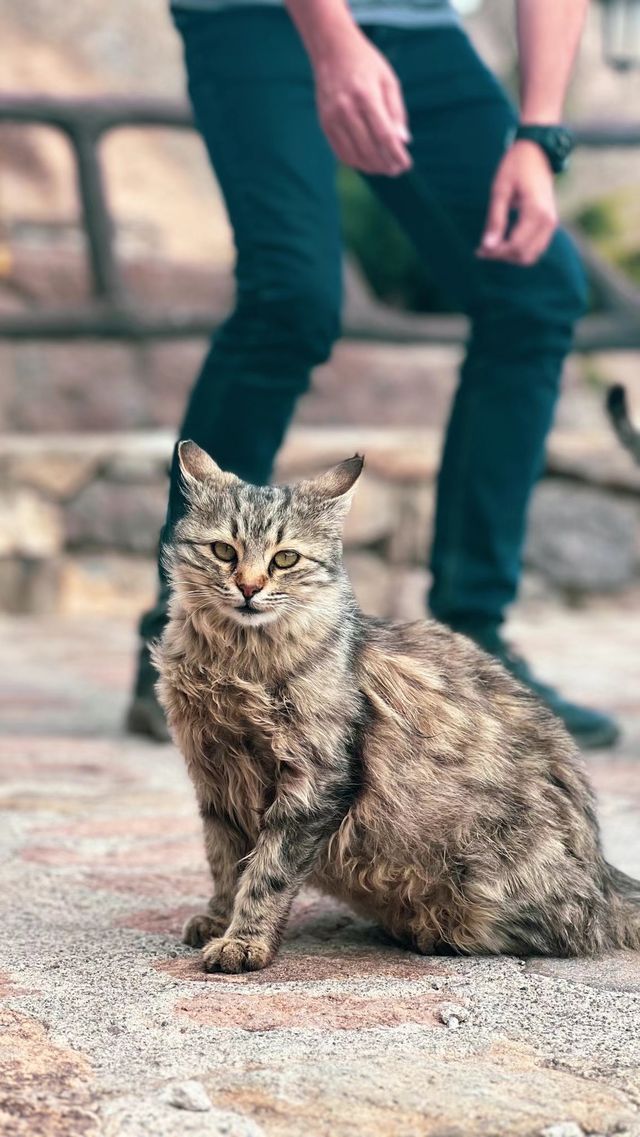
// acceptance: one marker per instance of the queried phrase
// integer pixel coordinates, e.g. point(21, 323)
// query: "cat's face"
point(253, 555)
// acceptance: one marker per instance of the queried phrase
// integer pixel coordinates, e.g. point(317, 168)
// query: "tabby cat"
point(393, 765)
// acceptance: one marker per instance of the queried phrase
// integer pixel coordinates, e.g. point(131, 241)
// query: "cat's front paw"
point(234, 954)
point(202, 927)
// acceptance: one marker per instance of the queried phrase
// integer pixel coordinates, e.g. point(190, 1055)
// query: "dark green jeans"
point(252, 92)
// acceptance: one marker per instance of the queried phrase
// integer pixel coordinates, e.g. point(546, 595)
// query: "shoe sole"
point(602, 739)
point(143, 721)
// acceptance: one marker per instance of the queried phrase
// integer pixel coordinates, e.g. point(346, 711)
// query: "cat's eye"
point(223, 551)
point(285, 558)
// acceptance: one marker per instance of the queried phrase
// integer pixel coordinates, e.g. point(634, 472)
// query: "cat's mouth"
point(250, 616)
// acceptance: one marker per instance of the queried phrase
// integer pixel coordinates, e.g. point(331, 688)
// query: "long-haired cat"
point(394, 765)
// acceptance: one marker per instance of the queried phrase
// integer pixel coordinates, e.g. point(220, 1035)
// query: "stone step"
point(80, 507)
point(61, 463)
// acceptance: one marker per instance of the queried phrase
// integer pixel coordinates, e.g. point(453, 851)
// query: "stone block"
point(408, 592)
point(117, 516)
point(372, 582)
point(166, 284)
point(373, 514)
point(382, 384)
point(46, 1088)
point(7, 383)
point(410, 457)
point(29, 526)
point(30, 585)
point(170, 371)
point(594, 457)
point(90, 385)
point(619, 971)
point(490, 1092)
point(55, 474)
point(414, 522)
point(396, 455)
point(106, 584)
point(582, 539)
point(50, 267)
point(230, 1011)
point(138, 464)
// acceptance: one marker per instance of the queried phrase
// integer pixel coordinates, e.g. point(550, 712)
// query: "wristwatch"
point(557, 142)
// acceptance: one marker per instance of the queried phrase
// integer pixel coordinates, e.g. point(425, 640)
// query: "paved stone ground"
point(106, 1016)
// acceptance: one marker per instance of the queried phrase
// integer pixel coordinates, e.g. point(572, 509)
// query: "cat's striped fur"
point(394, 765)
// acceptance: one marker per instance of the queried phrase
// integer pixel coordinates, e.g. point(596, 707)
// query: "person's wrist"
point(540, 112)
point(327, 40)
point(540, 118)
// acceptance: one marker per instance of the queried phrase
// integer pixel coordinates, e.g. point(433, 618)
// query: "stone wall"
point(80, 515)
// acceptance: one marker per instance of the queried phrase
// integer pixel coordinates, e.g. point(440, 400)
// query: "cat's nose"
point(249, 589)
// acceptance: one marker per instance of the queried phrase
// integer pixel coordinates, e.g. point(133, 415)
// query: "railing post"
point(107, 280)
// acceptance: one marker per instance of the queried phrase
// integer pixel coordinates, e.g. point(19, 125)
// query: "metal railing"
point(112, 313)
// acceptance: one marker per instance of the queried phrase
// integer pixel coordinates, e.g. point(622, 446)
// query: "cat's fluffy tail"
point(624, 912)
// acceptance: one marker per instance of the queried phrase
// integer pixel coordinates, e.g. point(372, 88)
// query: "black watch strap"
point(556, 141)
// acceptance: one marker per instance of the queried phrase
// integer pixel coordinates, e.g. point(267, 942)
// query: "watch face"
point(560, 142)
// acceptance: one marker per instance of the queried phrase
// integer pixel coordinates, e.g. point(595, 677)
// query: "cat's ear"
point(196, 465)
point(341, 479)
point(337, 485)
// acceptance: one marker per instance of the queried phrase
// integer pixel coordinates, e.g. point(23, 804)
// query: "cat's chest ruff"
point(250, 717)
point(250, 752)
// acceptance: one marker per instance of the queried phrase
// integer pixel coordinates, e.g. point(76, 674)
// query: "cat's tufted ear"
point(340, 479)
point(196, 465)
point(337, 485)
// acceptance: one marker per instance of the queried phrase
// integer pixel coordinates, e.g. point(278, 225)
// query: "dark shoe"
point(145, 715)
point(591, 729)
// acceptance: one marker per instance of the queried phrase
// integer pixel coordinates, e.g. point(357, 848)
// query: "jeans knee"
point(282, 332)
point(570, 291)
point(531, 313)
point(311, 316)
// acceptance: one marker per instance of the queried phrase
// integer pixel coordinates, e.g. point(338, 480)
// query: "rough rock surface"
point(582, 538)
point(104, 1013)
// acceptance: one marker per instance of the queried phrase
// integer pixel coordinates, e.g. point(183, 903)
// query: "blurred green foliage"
point(613, 224)
point(630, 264)
point(597, 220)
point(384, 254)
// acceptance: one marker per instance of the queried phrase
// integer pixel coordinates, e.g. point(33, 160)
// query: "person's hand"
point(524, 184)
point(361, 107)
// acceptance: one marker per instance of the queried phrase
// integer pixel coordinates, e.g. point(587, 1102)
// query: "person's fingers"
point(343, 145)
point(518, 246)
point(530, 235)
point(396, 107)
point(361, 135)
point(537, 245)
point(349, 140)
point(373, 159)
point(495, 229)
point(385, 140)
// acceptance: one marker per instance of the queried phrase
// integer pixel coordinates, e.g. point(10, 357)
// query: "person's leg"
point(522, 321)
point(252, 92)
point(522, 325)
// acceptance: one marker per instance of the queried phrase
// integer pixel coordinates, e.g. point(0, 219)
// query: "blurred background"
point(99, 343)
point(115, 263)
